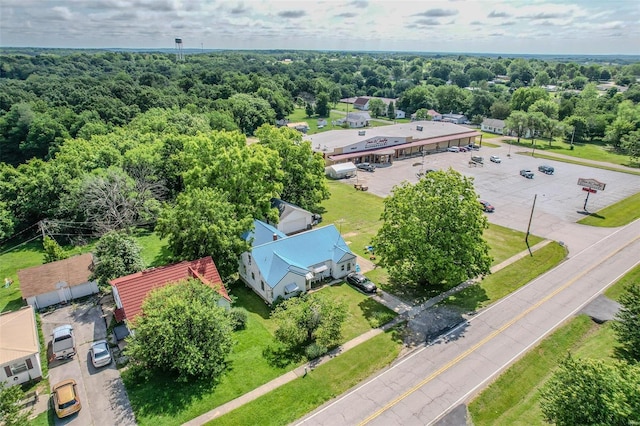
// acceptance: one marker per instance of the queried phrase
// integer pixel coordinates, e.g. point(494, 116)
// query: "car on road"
point(495, 159)
point(486, 206)
point(477, 159)
point(65, 398)
point(546, 169)
point(453, 149)
point(100, 354)
point(526, 173)
point(367, 167)
point(362, 282)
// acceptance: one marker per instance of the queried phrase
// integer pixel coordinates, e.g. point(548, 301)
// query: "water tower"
point(179, 53)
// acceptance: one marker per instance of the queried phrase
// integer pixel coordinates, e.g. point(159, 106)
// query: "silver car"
point(100, 354)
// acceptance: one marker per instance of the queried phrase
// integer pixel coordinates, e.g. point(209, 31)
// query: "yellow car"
point(65, 398)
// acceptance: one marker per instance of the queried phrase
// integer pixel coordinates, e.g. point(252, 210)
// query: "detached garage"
point(341, 170)
point(57, 282)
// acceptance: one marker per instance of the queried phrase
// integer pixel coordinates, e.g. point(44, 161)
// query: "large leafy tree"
point(377, 107)
point(422, 240)
point(309, 319)
point(182, 330)
point(627, 326)
point(6, 221)
point(590, 392)
point(524, 97)
point(250, 112)
point(11, 413)
point(304, 183)
point(117, 254)
point(518, 123)
point(204, 223)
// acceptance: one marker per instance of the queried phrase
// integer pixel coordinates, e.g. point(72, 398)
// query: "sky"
point(597, 27)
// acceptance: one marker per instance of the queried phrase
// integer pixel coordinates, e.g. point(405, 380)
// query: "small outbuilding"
point(341, 170)
point(58, 282)
point(19, 347)
point(293, 219)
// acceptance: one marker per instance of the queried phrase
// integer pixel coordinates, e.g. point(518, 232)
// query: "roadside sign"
point(593, 191)
point(591, 183)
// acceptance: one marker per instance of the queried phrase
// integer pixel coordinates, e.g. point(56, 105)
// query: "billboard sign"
point(591, 183)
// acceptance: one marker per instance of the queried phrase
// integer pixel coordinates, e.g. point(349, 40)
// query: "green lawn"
point(495, 286)
point(155, 403)
point(618, 214)
point(295, 399)
point(514, 399)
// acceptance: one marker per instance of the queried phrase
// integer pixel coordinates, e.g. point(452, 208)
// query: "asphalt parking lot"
point(102, 393)
point(559, 200)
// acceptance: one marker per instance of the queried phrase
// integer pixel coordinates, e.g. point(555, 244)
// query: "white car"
point(453, 149)
point(100, 354)
point(495, 159)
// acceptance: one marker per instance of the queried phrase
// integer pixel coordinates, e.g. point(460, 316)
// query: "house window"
point(342, 267)
point(253, 276)
point(18, 367)
point(249, 256)
point(348, 266)
point(262, 285)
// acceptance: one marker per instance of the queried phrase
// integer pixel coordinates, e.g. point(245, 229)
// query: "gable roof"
point(262, 233)
point(134, 288)
point(493, 122)
point(285, 209)
point(18, 335)
point(43, 278)
point(361, 101)
point(298, 253)
point(358, 116)
point(433, 112)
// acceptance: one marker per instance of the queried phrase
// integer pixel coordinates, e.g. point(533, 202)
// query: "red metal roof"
point(133, 288)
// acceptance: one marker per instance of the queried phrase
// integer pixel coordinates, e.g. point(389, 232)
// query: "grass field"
point(618, 214)
point(286, 404)
point(299, 114)
point(154, 401)
point(514, 399)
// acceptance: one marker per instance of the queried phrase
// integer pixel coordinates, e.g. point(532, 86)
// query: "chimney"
point(275, 236)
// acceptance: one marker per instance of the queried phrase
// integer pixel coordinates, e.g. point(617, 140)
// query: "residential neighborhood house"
point(492, 125)
point(19, 347)
point(293, 219)
point(361, 103)
point(130, 291)
point(455, 118)
point(280, 266)
point(400, 114)
point(57, 282)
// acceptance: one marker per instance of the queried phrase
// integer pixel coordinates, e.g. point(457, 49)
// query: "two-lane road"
point(425, 386)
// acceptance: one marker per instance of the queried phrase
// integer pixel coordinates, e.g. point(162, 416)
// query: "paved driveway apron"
point(102, 393)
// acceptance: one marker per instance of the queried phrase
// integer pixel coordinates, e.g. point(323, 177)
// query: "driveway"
point(559, 202)
point(102, 393)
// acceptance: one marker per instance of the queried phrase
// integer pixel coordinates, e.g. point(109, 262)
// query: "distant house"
point(57, 282)
point(301, 126)
point(455, 118)
point(130, 291)
point(435, 116)
point(400, 114)
point(19, 347)
point(341, 170)
point(280, 266)
point(357, 119)
point(322, 123)
point(293, 219)
point(282, 122)
point(361, 103)
point(492, 125)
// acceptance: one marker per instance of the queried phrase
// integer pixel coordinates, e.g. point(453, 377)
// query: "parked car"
point(487, 207)
point(453, 149)
point(526, 173)
point(495, 159)
point(100, 353)
point(63, 343)
point(366, 167)
point(546, 169)
point(362, 282)
point(473, 147)
point(65, 398)
point(463, 149)
point(477, 159)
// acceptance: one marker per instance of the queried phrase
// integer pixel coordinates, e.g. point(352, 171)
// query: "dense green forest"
point(97, 140)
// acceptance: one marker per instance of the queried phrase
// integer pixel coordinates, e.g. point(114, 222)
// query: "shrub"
point(314, 351)
point(238, 317)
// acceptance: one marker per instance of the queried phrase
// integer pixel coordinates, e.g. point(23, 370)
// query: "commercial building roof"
point(42, 279)
point(18, 335)
point(133, 289)
point(330, 140)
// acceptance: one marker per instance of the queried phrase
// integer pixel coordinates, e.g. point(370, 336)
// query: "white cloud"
point(514, 26)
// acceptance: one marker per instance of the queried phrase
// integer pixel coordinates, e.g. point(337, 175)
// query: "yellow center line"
point(490, 336)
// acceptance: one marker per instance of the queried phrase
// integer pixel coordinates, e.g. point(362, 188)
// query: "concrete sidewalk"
point(405, 311)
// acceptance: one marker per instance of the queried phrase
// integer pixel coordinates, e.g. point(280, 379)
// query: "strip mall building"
point(388, 143)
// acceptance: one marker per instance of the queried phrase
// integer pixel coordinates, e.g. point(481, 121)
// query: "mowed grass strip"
point(621, 213)
point(495, 286)
point(295, 399)
point(513, 399)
